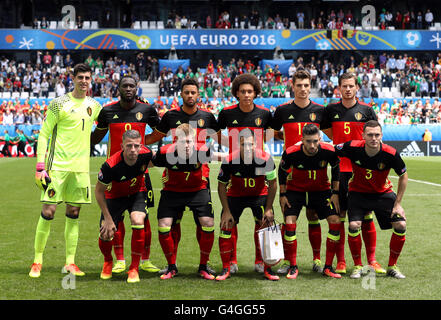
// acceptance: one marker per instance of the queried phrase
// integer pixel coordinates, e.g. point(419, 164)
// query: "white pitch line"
point(421, 181)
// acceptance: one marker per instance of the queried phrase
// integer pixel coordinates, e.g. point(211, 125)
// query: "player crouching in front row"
point(185, 185)
point(303, 180)
point(247, 172)
point(371, 190)
point(121, 187)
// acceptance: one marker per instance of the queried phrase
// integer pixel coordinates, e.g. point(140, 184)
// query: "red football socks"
point(167, 244)
point(106, 249)
point(225, 247)
point(332, 242)
point(369, 235)
point(340, 253)
point(206, 243)
point(354, 241)
point(290, 243)
point(315, 238)
point(176, 235)
point(118, 241)
point(138, 239)
point(234, 235)
point(258, 252)
point(147, 240)
point(396, 245)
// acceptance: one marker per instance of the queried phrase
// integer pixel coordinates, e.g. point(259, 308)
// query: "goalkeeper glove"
point(41, 176)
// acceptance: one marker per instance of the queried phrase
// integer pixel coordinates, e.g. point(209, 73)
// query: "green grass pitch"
point(20, 209)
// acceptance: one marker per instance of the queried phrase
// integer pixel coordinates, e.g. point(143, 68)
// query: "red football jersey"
point(370, 174)
point(247, 180)
point(183, 176)
point(124, 180)
point(292, 119)
point(308, 173)
point(347, 124)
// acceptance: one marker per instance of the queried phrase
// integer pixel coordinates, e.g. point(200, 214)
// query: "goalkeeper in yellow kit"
point(62, 170)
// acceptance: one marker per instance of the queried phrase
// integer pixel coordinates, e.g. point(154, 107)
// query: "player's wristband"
point(283, 194)
point(335, 192)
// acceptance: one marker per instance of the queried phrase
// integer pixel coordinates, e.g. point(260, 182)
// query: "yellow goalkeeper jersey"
point(64, 140)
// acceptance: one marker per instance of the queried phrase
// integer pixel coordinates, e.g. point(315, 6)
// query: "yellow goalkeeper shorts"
point(70, 187)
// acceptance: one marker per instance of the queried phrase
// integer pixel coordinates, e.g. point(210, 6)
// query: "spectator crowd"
point(301, 19)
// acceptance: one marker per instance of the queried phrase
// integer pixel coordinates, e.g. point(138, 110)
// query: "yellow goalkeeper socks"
point(71, 238)
point(41, 236)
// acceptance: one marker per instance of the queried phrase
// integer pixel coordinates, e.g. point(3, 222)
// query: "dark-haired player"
point(243, 180)
point(62, 170)
point(245, 114)
point(371, 190)
point(292, 117)
point(128, 113)
point(121, 187)
point(346, 119)
point(304, 181)
point(205, 125)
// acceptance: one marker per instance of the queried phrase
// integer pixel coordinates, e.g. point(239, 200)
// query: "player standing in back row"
point(292, 118)
point(63, 174)
point(245, 114)
point(128, 113)
point(346, 118)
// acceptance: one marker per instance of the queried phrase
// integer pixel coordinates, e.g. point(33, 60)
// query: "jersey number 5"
point(347, 128)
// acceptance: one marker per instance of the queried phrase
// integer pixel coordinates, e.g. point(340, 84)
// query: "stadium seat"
point(437, 25)
point(6, 95)
point(242, 24)
point(24, 95)
point(86, 24)
point(192, 23)
point(94, 25)
point(51, 94)
point(53, 25)
point(160, 24)
point(358, 28)
point(144, 24)
point(152, 24)
point(15, 95)
point(137, 25)
point(391, 28)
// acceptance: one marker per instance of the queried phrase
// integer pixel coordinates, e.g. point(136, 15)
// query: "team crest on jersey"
point(51, 193)
point(143, 168)
point(322, 164)
point(258, 122)
point(138, 116)
point(358, 116)
point(201, 123)
point(381, 166)
point(339, 146)
point(197, 165)
point(312, 116)
point(89, 111)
